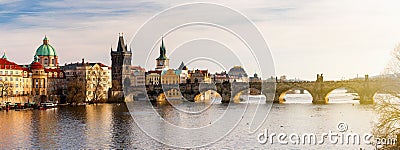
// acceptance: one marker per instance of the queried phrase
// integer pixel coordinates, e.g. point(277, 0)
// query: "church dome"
point(46, 49)
point(237, 71)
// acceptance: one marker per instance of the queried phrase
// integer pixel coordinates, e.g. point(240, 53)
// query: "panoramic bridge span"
point(274, 91)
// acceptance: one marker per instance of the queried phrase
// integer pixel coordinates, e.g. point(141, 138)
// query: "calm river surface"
point(111, 126)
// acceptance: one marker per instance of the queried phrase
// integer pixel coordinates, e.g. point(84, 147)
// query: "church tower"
point(47, 55)
point(162, 61)
point(120, 69)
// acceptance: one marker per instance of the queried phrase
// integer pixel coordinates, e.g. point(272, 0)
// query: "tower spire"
point(162, 50)
point(45, 40)
point(4, 55)
point(121, 44)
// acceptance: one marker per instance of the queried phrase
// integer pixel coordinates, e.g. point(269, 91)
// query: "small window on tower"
point(52, 61)
point(46, 61)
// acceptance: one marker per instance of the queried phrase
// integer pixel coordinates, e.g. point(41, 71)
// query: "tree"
point(55, 88)
point(76, 90)
point(5, 89)
point(387, 106)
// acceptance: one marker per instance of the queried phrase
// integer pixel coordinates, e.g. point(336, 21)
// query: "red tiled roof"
point(5, 64)
point(36, 65)
point(137, 68)
point(102, 65)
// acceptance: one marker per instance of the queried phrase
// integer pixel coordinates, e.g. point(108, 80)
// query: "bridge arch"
point(236, 96)
point(281, 92)
point(355, 89)
point(207, 96)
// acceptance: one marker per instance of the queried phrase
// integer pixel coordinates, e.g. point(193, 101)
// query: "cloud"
point(337, 38)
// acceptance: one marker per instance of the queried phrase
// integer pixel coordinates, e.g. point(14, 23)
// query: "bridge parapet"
point(320, 90)
point(189, 91)
point(272, 90)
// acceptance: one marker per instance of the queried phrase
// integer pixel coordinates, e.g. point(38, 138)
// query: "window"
point(11, 79)
point(46, 61)
point(6, 72)
point(11, 72)
point(52, 61)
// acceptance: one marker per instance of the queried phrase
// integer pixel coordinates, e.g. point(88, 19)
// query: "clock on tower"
point(162, 61)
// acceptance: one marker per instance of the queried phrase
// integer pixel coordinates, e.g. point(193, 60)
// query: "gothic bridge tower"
point(120, 71)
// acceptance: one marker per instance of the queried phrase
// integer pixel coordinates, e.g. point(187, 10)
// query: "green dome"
point(46, 49)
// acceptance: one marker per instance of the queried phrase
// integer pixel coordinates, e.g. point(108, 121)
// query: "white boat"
point(48, 104)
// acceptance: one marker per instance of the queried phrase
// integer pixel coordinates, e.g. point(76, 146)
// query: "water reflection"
point(110, 126)
point(102, 126)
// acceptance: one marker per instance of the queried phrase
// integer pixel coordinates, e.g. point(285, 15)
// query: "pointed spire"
point(45, 40)
point(162, 42)
point(181, 66)
point(162, 50)
point(121, 45)
point(4, 55)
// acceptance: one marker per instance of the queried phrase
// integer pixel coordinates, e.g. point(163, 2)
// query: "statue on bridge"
point(320, 78)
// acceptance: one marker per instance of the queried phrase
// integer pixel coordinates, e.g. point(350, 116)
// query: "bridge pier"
point(319, 97)
point(320, 101)
point(366, 99)
point(301, 91)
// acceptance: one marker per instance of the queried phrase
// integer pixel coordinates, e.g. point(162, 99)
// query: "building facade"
point(171, 76)
point(34, 82)
point(96, 79)
point(153, 77)
point(220, 77)
point(138, 76)
point(13, 81)
point(199, 76)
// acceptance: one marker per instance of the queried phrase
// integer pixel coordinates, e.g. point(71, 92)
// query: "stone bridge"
point(189, 91)
point(274, 91)
point(366, 89)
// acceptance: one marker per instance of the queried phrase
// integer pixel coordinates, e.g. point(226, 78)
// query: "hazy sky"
point(339, 38)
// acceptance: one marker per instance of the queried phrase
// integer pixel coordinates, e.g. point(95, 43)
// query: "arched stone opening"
point(295, 95)
point(209, 96)
point(343, 94)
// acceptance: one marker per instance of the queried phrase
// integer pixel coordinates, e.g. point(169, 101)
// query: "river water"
point(111, 125)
